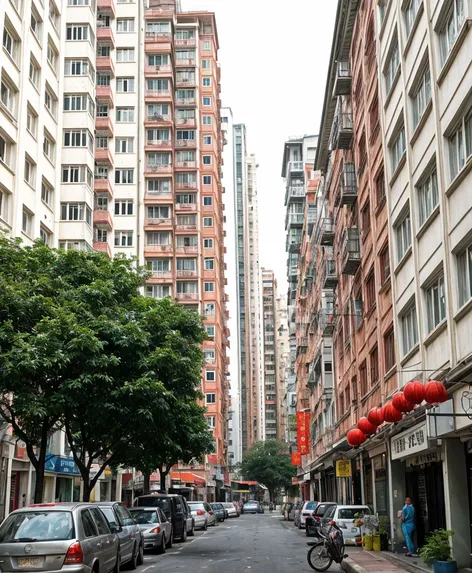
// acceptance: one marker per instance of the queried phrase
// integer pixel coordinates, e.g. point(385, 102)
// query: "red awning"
point(245, 482)
point(188, 477)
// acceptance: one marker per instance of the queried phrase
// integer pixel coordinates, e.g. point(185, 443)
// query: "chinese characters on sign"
point(343, 469)
point(410, 442)
point(303, 432)
point(296, 459)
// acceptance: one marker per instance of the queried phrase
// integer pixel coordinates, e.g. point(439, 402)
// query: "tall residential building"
point(110, 139)
point(282, 361)
point(269, 294)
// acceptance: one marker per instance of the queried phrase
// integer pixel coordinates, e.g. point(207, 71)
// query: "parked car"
point(293, 511)
point(230, 508)
point(239, 508)
point(61, 537)
point(304, 511)
point(176, 510)
point(253, 507)
point(319, 511)
point(219, 510)
point(343, 515)
point(129, 534)
point(155, 527)
point(203, 514)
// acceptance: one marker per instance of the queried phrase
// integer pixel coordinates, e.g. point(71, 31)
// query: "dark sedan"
point(219, 510)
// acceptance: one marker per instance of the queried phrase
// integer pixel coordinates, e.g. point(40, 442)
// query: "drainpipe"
point(361, 462)
point(390, 488)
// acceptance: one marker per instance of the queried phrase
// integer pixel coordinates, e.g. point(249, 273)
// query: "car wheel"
point(205, 527)
point(183, 538)
point(162, 547)
point(133, 562)
point(141, 554)
point(117, 567)
point(171, 539)
point(191, 533)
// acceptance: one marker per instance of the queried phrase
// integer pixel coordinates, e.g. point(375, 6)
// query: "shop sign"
point(463, 405)
point(66, 466)
point(410, 442)
point(294, 481)
point(296, 459)
point(226, 478)
point(343, 469)
point(422, 459)
point(303, 432)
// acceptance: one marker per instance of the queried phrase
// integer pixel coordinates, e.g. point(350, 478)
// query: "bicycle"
point(329, 549)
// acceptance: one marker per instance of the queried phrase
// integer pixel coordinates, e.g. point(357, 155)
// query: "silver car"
point(203, 514)
point(155, 527)
point(65, 537)
point(229, 506)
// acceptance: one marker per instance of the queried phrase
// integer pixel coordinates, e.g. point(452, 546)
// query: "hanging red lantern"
point(414, 392)
point(401, 404)
point(355, 437)
point(391, 414)
point(435, 392)
point(366, 427)
point(375, 416)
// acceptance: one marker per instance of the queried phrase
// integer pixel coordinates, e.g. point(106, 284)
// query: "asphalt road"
point(260, 543)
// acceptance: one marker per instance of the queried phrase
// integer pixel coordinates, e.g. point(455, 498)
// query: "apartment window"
point(411, 11)
point(103, 79)
point(45, 236)
point(101, 172)
point(370, 291)
point(207, 140)
point(124, 145)
point(11, 42)
point(8, 95)
point(460, 145)
point(101, 142)
point(421, 97)
point(209, 309)
point(78, 32)
point(179, 34)
point(384, 265)
point(206, 45)
point(409, 329)
point(5, 150)
point(158, 60)
point(208, 243)
point(35, 23)
point(52, 56)
point(27, 222)
point(101, 236)
point(207, 179)
point(125, 25)
point(207, 200)
point(206, 82)
point(158, 291)
point(211, 420)
point(30, 171)
point(374, 366)
point(158, 186)
point(32, 121)
point(210, 398)
point(435, 303)
point(206, 101)
point(209, 287)
point(54, 15)
point(206, 64)
point(207, 120)
point(389, 348)
point(124, 176)
point(101, 202)
point(464, 271)
point(159, 212)
point(398, 149)
point(124, 85)
point(392, 66)
point(76, 68)
point(184, 157)
point(158, 238)
point(403, 236)
point(208, 221)
point(185, 135)
point(210, 331)
point(76, 212)
point(210, 376)
point(49, 146)
point(365, 216)
point(123, 238)
point(77, 174)
point(125, 114)
point(78, 2)
point(428, 197)
point(380, 188)
point(125, 55)
point(78, 138)
point(209, 264)
point(452, 26)
point(103, 50)
point(34, 72)
point(363, 378)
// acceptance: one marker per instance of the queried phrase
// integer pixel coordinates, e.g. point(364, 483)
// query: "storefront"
point(67, 480)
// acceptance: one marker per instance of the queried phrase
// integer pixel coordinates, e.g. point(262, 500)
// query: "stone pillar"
point(119, 485)
point(397, 472)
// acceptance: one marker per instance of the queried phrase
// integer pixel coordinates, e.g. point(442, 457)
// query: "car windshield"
point(310, 505)
point(228, 505)
point(195, 506)
point(251, 503)
point(216, 505)
point(37, 526)
point(143, 517)
point(350, 512)
point(162, 502)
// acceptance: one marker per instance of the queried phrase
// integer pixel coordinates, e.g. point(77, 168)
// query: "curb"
point(411, 567)
point(351, 567)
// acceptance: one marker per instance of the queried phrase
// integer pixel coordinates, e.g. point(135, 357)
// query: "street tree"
point(269, 464)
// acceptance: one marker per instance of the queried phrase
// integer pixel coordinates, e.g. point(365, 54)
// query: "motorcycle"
point(271, 507)
point(327, 548)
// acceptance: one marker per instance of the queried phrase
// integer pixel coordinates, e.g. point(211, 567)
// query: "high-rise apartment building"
point(111, 139)
point(269, 294)
point(285, 410)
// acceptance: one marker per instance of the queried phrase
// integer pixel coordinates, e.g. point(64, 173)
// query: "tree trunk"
point(164, 475)
point(39, 485)
point(146, 483)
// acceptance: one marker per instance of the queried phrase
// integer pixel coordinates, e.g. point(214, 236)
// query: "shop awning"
point(244, 482)
point(188, 477)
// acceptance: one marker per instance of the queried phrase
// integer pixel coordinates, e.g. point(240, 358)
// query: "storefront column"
point(397, 473)
point(361, 469)
point(457, 512)
point(119, 486)
point(29, 493)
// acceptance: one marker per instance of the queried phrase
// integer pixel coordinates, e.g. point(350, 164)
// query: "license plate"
point(29, 562)
point(354, 529)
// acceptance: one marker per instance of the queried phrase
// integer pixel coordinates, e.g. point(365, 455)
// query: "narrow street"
point(261, 543)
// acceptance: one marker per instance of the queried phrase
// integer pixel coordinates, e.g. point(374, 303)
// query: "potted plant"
point(383, 531)
point(438, 552)
point(371, 524)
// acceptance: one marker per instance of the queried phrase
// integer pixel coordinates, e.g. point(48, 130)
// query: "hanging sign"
point(343, 469)
point(296, 459)
point(410, 442)
point(303, 432)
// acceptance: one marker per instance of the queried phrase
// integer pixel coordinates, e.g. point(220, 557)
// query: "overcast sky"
point(274, 59)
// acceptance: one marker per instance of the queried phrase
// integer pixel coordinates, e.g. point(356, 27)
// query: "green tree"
point(270, 464)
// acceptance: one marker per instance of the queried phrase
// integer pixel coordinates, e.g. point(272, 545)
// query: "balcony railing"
point(187, 296)
point(325, 231)
point(347, 187)
point(293, 220)
point(185, 143)
point(151, 168)
point(343, 80)
point(185, 82)
point(187, 42)
point(102, 246)
point(186, 185)
point(181, 274)
point(185, 101)
point(341, 131)
point(294, 192)
point(185, 62)
point(188, 121)
point(159, 143)
point(186, 227)
point(158, 37)
point(329, 278)
point(186, 249)
point(186, 164)
point(185, 206)
point(158, 94)
point(158, 248)
point(162, 69)
point(155, 222)
point(162, 195)
point(351, 251)
point(162, 275)
point(326, 321)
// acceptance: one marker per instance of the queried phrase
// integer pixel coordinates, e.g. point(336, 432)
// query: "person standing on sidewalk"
point(408, 526)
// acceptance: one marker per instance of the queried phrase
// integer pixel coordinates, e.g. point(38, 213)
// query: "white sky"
point(274, 58)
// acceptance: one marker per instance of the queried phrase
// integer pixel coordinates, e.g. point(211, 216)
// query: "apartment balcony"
point(185, 207)
point(342, 131)
point(186, 83)
point(302, 345)
point(105, 94)
point(185, 63)
point(326, 321)
point(185, 143)
point(185, 101)
point(166, 13)
point(187, 121)
point(158, 197)
point(325, 231)
point(184, 274)
point(346, 193)
point(151, 169)
point(107, 7)
point(293, 244)
point(156, 119)
point(186, 250)
point(152, 224)
point(294, 192)
point(189, 227)
point(187, 296)
point(105, 63)
point(329, 278)
point(296, 166)
point(105, 35)
point(150, 250)
point(185, 43)
point(102, 247)
point(159, 277)
point(154, 144)
point(158, 38)
point(311, 218)
point(105, 125)
point(186, 185)
point(163, 70)
point(293, 220)
point(343, 79)
point(104, 156)
point(185, 164)
point(351, 251)
point(103, 186)
point(103, 218)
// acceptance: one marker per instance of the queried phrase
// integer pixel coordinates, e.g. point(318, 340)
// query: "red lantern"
point(375, 416)
point(391, 414)
point(414, 392)
point(366, 427)
point(435, 392)
point(355, 437)
point(401, 404)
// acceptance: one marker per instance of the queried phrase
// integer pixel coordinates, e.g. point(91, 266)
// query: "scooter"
point(327, 548)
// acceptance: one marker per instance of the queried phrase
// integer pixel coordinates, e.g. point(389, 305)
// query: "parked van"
point(176, 510)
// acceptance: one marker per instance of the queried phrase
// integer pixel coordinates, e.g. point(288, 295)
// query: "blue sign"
point(66, 466)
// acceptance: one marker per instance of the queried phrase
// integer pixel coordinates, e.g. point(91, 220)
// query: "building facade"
point(282, 362)
point(269, 295)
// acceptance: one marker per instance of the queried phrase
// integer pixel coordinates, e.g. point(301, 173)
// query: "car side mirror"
point(116, 528)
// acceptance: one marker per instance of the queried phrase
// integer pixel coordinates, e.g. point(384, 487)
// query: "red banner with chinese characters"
point(303, 432)
point(296, 459)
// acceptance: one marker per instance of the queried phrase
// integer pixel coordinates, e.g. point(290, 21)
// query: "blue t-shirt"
point(408, 514)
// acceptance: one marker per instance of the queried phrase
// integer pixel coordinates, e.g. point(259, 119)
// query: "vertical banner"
point(303, 432)
point(296, 459)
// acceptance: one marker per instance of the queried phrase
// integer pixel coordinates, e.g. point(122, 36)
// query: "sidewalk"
point(386, 562)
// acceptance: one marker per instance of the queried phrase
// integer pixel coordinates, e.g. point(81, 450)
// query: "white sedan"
point(203, 514)
point(231, 509)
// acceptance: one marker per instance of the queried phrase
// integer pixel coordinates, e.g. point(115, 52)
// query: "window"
point(210, 398)
point(78, 2)
point(384, 265)
point(380, 188)
point(185, 135)
point(206, 82)
point(370, 291)
point(389, 350)
point(209, 264)
point(11, 42)
point(34, 72)
point(36, 23)
point(78, 32)
point(125, 55)
point(207, 180)
point(207, 200)
point(158, 60)
point(76, 212)
point(52, 56)
point(210, 330)
point(158, 186)
point(450, 31)
point(125, 25)
point(207, 140)
point(206, 101)
point(5, 150)
point(158, 291)
point(8, 95)
point(460, 145)
point(179, 34)
point(54, 15)
point(101, 235)
point(49, 146)
point(383, 4)
point(421, 97)
point(211, 421)
point(209, 309)
point(103, 79)
point(77, 174)
point(208, 243)
point(4, 204)
point(411, 11)
point(124, 176)
point(27, 222)
point(123, 238)
point(208, 221)
point(206, 64)
point(159, 212)
point(78, 138)
point(435, 303)
point(101, 142)
point(186, 198)
point(31, 121)
point(123, 206)
point(374, 366)
point(409, 329)
point(101, 172)
point(206, 160)
point(125, 114)
point(363, 378)
point(210, 376)
point(403, 236)
point(50, 101)
point(124, 85)
point(45, 236)
point(206, 45)
point(76, 68)
point(397, 149)
point(103, 50)
point(209, 287)
point(365, 216)
point(158, 238)
point(124, 145)
point(207, 120)
point(392, 66)
point(464, 269)
point(428, 197)
point(30, 171)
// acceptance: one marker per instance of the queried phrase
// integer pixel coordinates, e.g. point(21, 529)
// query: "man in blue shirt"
point(408, 526)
